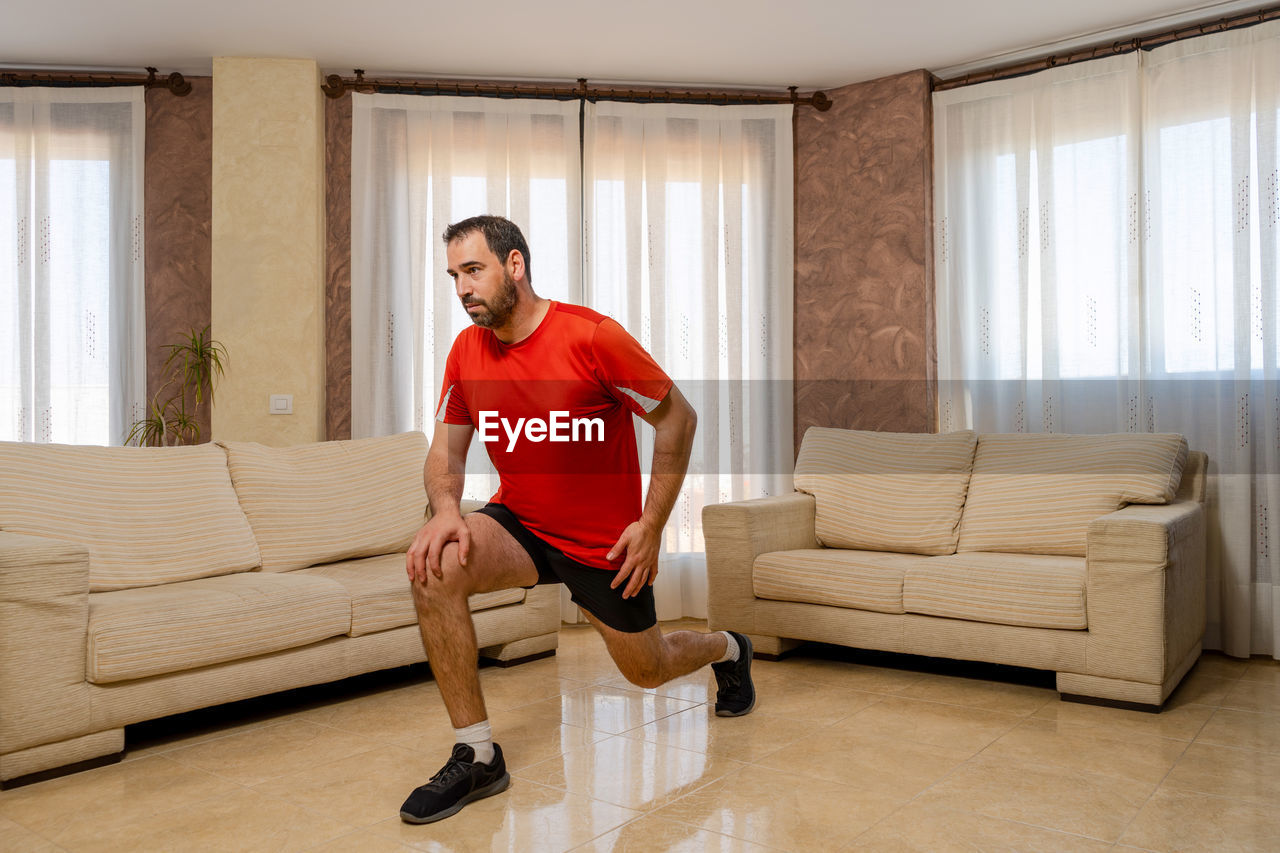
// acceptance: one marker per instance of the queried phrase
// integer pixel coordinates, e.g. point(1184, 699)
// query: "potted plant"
point(194, 365)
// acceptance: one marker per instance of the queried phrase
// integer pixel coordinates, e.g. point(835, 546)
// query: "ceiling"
point(766, 43)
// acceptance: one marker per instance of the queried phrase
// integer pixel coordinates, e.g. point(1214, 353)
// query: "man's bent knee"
point(647, 678)
point(641, 672)
point(454, 582)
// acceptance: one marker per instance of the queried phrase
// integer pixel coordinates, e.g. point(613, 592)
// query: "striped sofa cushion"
point(331, 500)
point(882, 491)
point(139, 632)
point(148, 515)
point(380, 597)
point(1008, 589)
point(1036, 494)
point(862, 580)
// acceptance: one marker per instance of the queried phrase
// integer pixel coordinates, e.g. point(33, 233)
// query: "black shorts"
point(588, 586)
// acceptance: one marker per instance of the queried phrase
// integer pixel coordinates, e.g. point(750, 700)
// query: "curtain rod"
point(175, 82)
point(335, 86)
point(1116, 48)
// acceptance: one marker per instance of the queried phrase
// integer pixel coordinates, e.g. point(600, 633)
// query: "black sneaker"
point(736, 695)
point(460, 781)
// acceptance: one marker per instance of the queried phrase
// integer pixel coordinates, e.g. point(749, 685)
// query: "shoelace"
point(447, 775)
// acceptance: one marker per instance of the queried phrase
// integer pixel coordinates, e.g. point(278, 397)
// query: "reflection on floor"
point(842, 752)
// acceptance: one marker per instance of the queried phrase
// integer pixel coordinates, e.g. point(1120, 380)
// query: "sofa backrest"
point(1037, 493)
point(1192, 487)
point(330, 500)
point(882, 491)
point(148, 515)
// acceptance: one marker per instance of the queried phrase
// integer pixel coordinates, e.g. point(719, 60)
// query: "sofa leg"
point(1111, 703)
point(522, 651)
point(61, 757)
point(772, 648)
point(65, 770)
point(526, 659)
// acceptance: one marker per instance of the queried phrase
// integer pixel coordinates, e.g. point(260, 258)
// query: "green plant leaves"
point(195, 364)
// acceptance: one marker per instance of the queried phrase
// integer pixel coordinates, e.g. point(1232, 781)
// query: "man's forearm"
point(672, 447)
point(445, 481)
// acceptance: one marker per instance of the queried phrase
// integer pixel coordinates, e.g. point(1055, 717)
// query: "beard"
point(498, 311)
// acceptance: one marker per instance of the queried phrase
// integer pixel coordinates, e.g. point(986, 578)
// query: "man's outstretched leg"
point(650, 658)
point(476, 768)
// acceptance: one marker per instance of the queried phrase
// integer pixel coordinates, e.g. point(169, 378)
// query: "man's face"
point(481, 280)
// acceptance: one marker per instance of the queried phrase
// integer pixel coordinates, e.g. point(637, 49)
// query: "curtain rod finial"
point(334, 86)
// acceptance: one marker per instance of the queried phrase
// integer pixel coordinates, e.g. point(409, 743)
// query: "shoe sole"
point(742, 713)
point(747, 710)
point(495, 787)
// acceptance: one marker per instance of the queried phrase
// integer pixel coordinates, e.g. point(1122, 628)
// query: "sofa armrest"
point(736, 533)
point(44, 620)
point(1144, 593)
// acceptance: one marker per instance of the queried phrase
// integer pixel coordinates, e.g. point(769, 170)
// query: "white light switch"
point(281, 404)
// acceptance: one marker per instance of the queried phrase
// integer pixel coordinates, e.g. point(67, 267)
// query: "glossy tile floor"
point(838, 755)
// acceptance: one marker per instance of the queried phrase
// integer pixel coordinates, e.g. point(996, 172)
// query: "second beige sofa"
point(1080, 554)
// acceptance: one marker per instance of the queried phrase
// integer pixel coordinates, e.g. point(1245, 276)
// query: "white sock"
point(479, 737)
point(730, 648)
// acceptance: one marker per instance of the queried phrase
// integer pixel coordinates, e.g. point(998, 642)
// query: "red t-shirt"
point(554, 413)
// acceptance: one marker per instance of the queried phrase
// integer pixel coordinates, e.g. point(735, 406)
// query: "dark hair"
point(502, 235)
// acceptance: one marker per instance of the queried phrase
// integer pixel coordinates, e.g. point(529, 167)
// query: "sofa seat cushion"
point(1009, 589)
point(883, 491)
point(331, 500)
point(147, 515)
point(861, 580)
point(139, 632)
point(379, 591)
point(1036, 494)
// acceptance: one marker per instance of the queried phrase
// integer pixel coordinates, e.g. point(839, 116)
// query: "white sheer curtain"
point(689, 245)
point(72, 322)
point(1106, 261)
point(418, 164)
point(1038, 253)
point(1211, 172)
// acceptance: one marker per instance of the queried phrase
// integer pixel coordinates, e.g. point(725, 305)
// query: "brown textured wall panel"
point(178, 189)
point(865, 351)
point(337, 319)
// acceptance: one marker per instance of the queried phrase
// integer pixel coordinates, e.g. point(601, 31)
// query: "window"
point(71, 328)
point(1107, 260)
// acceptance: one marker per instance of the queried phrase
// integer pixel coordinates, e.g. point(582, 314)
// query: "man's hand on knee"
point(640, 545)
point(429, 543)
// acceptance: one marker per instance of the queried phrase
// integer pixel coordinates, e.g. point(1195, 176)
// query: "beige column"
point(268, 247)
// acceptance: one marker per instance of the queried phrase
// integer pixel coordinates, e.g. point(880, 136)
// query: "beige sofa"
point(137, 583)
point(1078, 554)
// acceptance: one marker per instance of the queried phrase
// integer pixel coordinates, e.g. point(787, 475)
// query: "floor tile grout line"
point(928, 788)
point(643, 812)
point(593, 838)
point(317, 846)
point(701, 827)
point(200, 802)
point(972, 813)
point(1129, 823)
point(958, 767)
point(1090, 771)
point(309, 767)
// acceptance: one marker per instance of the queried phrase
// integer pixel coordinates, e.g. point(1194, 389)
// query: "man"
point(551, 388)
